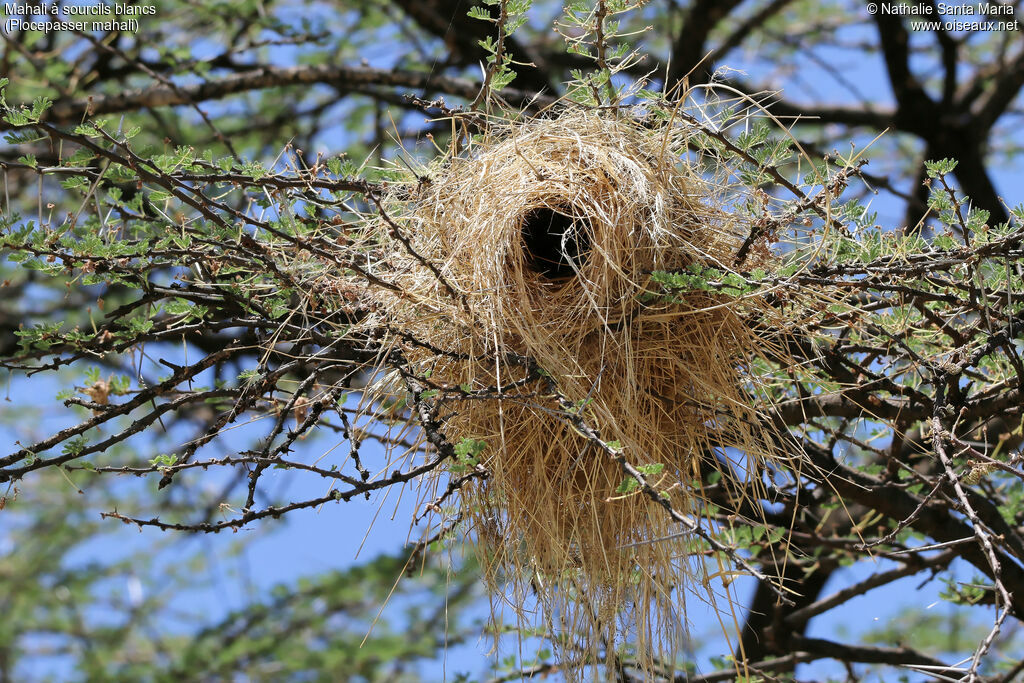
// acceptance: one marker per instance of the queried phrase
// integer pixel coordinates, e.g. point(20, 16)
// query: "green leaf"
point(469, 448)
point(941, 167)
point(651, 470)
point(164, 460)
point(628, 485)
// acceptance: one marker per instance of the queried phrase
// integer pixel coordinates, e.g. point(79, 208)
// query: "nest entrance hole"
point(556, 242)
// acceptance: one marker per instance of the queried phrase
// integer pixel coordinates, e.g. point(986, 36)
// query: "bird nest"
point(527, 303)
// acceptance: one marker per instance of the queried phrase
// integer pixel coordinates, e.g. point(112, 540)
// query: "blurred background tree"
point(133, 157)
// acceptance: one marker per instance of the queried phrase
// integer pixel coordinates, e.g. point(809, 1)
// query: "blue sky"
point(295, 548)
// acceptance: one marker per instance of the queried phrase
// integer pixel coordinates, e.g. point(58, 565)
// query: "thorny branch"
point(905, 398)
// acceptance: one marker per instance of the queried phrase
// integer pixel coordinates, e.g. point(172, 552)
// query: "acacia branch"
point(354, 79)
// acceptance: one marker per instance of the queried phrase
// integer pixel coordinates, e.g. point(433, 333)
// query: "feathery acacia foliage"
point(174, 274)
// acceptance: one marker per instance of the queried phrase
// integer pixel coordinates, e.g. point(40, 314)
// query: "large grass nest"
point(529, 307)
